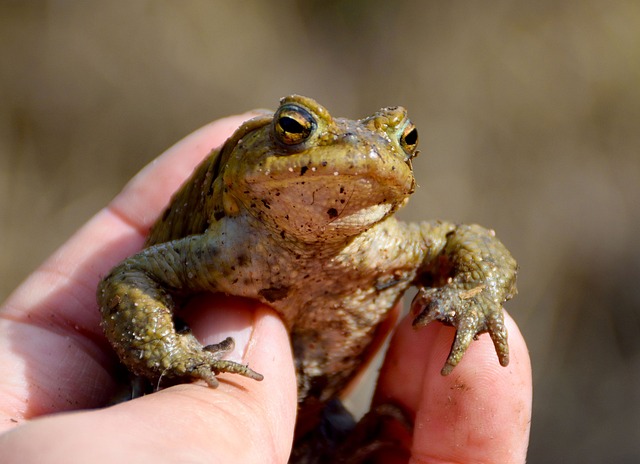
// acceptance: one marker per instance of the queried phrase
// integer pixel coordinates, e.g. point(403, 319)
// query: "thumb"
point(240, 421)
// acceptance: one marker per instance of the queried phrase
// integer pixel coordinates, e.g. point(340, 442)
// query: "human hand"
point(479, 413)
point(55, 358)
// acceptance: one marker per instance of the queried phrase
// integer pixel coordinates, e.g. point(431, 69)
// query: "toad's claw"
point(209, 370)
point(212, 365)
point(470, 311)
point(196, 362)
point(498, 333)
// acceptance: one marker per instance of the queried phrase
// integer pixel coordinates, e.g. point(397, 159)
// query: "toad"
point(296, 210)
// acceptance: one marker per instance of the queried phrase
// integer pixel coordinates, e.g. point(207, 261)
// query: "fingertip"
point(481, 411)
point(243, 419)
point(262, 343)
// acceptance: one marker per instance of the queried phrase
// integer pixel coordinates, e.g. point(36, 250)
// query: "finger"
point(481, 412)
point(240, 421)
point(51, 343)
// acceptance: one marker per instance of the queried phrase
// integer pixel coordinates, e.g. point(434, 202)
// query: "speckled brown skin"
point(296, 210)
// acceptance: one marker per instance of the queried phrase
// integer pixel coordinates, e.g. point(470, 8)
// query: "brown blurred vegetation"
point(529, 118)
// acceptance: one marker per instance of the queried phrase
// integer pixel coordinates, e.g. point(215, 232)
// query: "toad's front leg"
point(137, 308)
point(466, 279)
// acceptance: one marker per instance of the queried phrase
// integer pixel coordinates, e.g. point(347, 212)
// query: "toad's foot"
point(215, 365)
point(137, 318)
point(471, 311)
point(205, 363)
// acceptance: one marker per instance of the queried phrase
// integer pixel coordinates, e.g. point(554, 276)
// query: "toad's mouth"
point(363, 217)
point(340, 187)
point(340, 197)
point(320, 207)
point(367, 171)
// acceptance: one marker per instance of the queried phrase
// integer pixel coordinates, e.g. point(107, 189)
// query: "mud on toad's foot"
point(471, 311)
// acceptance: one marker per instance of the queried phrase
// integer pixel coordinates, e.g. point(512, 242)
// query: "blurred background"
point(529, 120)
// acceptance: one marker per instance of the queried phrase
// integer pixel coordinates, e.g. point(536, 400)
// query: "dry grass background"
point(529, 117)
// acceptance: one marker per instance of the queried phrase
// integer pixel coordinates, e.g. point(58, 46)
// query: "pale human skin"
point(54, 358)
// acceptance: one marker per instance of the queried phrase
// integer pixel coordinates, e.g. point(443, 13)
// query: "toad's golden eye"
point(293, 124)
point(409, 139)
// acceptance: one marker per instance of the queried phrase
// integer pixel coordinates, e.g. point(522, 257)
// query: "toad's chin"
point(364, 217)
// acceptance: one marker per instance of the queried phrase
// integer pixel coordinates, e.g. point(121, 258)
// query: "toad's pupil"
point(412, 137)
point(291, 125)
